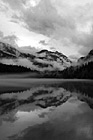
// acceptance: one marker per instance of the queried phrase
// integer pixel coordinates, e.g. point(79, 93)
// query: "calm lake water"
point(46, 109)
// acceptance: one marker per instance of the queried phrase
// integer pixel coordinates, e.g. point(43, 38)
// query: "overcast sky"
point(63, 25)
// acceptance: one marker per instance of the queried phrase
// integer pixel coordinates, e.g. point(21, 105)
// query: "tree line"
point(84, 71)
point(13, 69)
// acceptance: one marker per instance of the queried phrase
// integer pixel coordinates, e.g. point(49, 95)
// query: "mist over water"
point(46, 110)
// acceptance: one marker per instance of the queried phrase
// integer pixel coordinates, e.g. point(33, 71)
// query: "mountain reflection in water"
point(62, 111)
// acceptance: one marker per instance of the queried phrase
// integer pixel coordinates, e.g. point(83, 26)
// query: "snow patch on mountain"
point(43, 60)
point(86, 59)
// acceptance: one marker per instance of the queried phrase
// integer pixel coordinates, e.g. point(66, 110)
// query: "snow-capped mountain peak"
point(43, 60)
point(87, 58)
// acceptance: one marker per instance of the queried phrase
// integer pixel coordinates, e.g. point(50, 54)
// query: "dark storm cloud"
point(57, 20)
point(86, 41)
point(43, 18)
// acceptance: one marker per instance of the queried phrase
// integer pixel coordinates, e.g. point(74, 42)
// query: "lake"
point(46, 109)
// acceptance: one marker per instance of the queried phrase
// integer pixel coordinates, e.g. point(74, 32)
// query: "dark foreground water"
point(46, 109)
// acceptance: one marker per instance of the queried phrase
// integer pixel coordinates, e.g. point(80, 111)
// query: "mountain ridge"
point(40, 61)
point(86, 59)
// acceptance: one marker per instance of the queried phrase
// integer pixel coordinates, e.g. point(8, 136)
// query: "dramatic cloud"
point(66, 23)
point(11, 39)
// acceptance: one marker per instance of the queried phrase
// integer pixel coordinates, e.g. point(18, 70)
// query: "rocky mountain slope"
point(41, 61)
point(86, 59)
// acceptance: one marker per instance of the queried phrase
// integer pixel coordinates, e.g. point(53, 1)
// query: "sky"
point(57, 25)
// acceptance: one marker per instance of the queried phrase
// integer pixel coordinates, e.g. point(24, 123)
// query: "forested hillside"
point(13, 69)
point(82, 72)
point(79, 72)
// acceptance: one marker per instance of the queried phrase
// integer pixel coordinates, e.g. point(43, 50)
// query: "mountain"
point(86, 59)
point(44, 64)
point(84, 71)
point(43, 60)
point(7, 51)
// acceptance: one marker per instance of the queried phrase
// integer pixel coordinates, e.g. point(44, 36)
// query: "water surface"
point(46, 109)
